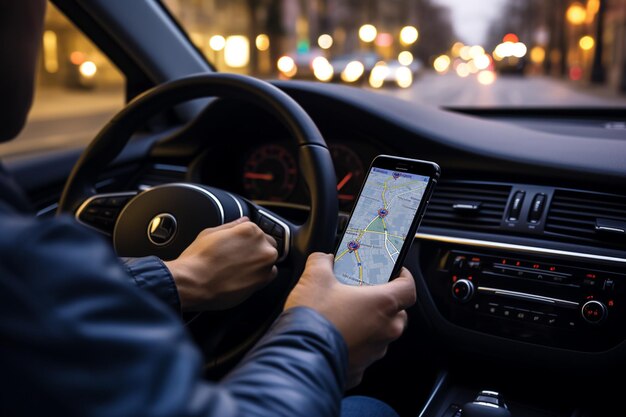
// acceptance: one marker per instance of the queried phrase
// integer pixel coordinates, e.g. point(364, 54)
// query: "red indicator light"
point(553, 268)
point(475, 259)
point(590, 297)
point(518, 263)
point(470, 277)
point(504, 262)
point(454, 278)
point(611, 303)
point(456, 290)
point(536, 266)
point(591, 276)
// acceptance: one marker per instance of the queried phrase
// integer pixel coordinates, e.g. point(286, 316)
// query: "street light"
point(367, 33)
point(576, 14)
point(325, 41)
point(408, 35)
point(217, 42)
point(586, 43)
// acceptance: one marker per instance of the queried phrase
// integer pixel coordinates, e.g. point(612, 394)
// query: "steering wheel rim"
point(316, 167)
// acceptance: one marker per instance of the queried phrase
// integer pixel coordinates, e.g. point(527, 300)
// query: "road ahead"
point(512, 91)
point(69, 118)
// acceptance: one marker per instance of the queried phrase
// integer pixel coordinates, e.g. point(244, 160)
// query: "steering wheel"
point(165, 219)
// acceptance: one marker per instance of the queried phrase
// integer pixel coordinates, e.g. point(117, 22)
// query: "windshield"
point(454, 53)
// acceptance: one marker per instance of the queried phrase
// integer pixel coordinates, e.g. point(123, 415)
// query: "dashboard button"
point(462, 290)
point(266, 225)
point(594, 312)
point(537, 207)
point(516, 206)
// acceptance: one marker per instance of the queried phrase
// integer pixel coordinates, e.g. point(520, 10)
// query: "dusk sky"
point(471, 18)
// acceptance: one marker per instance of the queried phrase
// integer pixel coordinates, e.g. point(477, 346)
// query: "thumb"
point(320, 266)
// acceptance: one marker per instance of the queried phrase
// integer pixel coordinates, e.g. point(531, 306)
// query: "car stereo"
point(558, 303)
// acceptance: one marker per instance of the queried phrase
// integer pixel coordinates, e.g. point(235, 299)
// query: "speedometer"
point(270, 173)
point(350, 174)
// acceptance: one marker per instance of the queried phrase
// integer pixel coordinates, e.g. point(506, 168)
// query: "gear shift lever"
point(486, 404)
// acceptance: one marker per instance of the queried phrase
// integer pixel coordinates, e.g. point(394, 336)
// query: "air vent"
point(586, 217)
point(467, 205)
point(158, 174)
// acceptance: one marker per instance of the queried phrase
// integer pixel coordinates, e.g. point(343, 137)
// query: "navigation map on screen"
point(378, 226)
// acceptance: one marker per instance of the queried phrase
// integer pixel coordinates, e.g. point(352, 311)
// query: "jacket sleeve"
point(76, 338)
point(150, 274)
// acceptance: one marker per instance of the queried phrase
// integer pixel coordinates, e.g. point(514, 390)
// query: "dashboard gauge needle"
point(345, 197)
point(258, 176)
point(344, 181)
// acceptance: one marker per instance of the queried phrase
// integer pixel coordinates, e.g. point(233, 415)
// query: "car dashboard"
point(520, 258)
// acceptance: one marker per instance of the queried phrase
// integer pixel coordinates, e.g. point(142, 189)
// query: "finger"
point(271, 241)
point(228, 225)
point(402, 289)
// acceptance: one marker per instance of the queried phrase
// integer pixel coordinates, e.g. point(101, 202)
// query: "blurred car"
point(394, 74)
point(300, 65)
point(354, 67)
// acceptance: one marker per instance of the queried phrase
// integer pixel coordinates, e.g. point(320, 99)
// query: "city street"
point(70, 118)
point(513, 91)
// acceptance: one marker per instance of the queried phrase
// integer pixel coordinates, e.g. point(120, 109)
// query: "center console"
point(576, 304)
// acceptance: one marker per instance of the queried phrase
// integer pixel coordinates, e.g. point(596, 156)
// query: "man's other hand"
point(224, 266)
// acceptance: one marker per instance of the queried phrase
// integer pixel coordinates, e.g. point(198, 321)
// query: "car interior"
point(519, 262)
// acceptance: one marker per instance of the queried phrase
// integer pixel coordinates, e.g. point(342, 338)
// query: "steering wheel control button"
point(537, 208)
point(594, 312)
point(100, 213)
point(266, 225)
point(462, 290)
point(162, 229)
point(516, 206)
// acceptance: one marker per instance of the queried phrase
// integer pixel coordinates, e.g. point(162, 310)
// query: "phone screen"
point(378, 227)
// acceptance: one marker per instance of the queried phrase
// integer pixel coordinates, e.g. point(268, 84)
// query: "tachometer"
point(270, 173)
point(350, 174)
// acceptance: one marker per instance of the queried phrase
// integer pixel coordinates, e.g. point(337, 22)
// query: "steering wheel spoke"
point(101, 211)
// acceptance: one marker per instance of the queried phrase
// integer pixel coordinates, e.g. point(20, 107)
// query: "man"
point(78, 337)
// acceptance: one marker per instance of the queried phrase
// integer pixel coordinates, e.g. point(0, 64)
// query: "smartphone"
point(382, 225)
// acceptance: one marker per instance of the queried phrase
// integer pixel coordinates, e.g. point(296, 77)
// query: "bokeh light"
point(586, 43)
point(537, 54)
point(463, 70)
point(237, 51)
point(88, 69)
point(367, 33)
point(486, 77)
point(325, 41)
point(262, 42)
point(322, 69)
point(217, 42)
point(287, 66)
point(353, 71)
point(378, 75)
point(576, 14)
point(404, 77)
point(408, 35)
point(441, 63)
point(405, 58)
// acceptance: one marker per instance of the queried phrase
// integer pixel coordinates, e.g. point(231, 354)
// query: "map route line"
point(358, 259)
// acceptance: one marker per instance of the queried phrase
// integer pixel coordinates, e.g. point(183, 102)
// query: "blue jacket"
point(78, 338)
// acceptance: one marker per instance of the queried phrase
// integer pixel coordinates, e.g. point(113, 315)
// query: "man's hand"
point(369, 318)
point(224, 266)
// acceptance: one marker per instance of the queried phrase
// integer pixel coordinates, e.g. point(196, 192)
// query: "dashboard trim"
point(518, 248)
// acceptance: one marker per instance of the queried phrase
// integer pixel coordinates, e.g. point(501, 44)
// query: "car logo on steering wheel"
point(162, 229)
